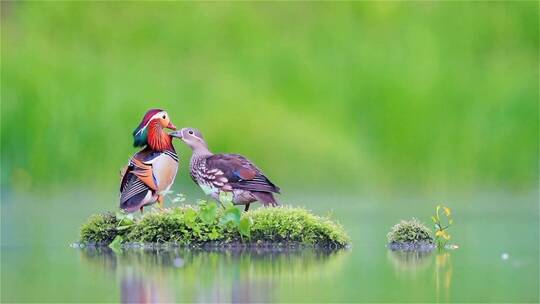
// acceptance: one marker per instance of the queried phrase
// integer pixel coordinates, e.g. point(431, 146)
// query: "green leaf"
point(115, 245)
point(208, 212)
point(124, 219)
point(214, 235)
point(189, 217)
point(120, 216)
point(245, 226)
point(231, 215)
point(225, 197)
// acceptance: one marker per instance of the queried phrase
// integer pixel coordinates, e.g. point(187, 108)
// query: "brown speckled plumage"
point(227, 172)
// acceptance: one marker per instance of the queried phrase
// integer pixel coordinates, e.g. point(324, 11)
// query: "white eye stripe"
point(192, 134)
point(157, 115)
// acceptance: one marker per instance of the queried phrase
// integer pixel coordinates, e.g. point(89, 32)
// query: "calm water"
point(497, 260)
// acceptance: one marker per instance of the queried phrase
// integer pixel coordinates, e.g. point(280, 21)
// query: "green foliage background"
point(426, 95)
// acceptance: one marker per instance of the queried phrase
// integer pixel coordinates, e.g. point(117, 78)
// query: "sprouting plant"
point(116, 244)
point(232, 215)
point(124, 221)
point(179, 198)
point(441, 234)
point(175, 198)
point(207, 211)
point(225, 198)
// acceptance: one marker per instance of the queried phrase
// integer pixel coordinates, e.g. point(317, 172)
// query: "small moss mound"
point(201, 226)
point(409, 234)
point(100, 229)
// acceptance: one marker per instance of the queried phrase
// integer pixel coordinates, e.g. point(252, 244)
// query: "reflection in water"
point(409, 261)
point(182, 275)
point(136, 289)
point(443, 275)
point(413, 262)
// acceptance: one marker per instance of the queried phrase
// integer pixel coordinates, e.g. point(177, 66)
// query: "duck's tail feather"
point(267, 198)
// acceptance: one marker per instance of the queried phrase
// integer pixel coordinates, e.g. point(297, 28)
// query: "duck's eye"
point(190, 132)
point(164, 116)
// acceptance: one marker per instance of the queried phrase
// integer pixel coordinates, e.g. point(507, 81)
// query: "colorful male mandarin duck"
point(151, 171)
point(226, 172)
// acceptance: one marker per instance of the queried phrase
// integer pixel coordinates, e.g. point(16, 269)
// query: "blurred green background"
point(364, 96)
point(370, 112)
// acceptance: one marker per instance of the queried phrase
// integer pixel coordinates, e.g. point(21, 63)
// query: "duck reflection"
point(136, 289)
point(134, 285)
point(185, 275)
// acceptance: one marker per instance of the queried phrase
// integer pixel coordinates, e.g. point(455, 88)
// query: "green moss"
point(189, 225)
point(100, 229)
point(179, 225)
point(288, 224)
point(410, 232)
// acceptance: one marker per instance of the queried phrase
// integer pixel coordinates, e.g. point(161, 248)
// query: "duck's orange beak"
point(171, 126)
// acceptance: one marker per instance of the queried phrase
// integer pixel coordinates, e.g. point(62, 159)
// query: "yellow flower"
point(443, 234)
point(447, 211)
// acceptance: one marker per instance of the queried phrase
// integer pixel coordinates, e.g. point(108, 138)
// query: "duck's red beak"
point(171, 126)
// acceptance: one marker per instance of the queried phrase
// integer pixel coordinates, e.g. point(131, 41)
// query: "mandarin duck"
point(234, 173)
point(151, 171)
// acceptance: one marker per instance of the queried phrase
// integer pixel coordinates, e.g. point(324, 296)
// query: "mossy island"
point(208, 226)
point(410, 235)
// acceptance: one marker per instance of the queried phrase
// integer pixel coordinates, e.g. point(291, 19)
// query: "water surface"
point(497, 259)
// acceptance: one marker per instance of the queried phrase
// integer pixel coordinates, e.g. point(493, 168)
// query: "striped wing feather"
point(132, 187)
point(137, 178)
